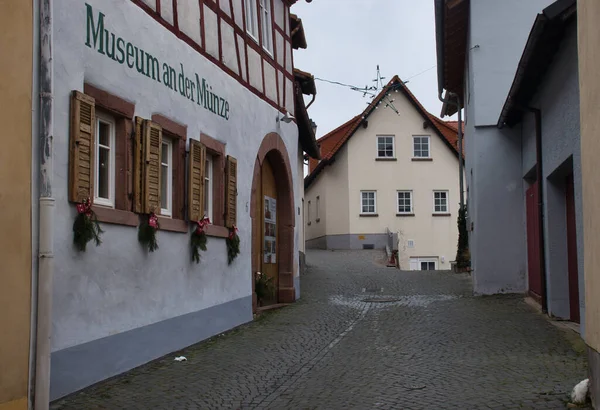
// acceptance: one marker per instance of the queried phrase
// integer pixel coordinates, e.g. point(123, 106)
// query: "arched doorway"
point(272, 213)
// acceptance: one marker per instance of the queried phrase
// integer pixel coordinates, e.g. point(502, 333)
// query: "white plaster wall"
point(278, 12)
point(289, 95)
point(225, 6)
point(242, 51)
point(237, 13)
point(318, 188)
point(288, 57)
point(279, 48)
point(300, 189)
point(228, 44)
point(211, 32)
point(280, 84)
point(432, 235)
point(151, 3)
point(254, 68)
point(188, 18)
point(270, 81)
point(166, 11)
point(118, 286)
point(500, 30)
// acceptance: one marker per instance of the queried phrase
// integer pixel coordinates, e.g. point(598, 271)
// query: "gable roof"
point(331, 143)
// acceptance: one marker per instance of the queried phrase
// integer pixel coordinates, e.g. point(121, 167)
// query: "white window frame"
point(447, 201)
point(374, 202)
point(404, 191)
point(110, 201)
point(264, 8)
point(393, 145)
point(208, 180)
point(428, 146)
point(251, 19)
point(416, 261)
point(166, 204)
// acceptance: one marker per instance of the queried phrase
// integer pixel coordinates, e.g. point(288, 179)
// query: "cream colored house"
point(384, 173)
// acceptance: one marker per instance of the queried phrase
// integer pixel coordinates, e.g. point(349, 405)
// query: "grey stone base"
point(297, 286)
point(349, 241)
point(302, 261)
point(80, 366)
point(594, 370)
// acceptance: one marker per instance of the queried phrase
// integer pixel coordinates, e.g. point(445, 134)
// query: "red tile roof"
point(333, 141)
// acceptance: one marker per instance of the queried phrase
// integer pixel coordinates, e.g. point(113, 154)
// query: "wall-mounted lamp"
point(287, 118)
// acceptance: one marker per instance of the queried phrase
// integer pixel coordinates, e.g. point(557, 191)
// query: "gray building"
point(515, 75)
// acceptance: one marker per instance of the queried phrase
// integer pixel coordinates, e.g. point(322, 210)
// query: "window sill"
point(369, 215)
point(217, 231)
point(172, 225)
point(441, 214)
point(115, 216)
point(422, 159)
point(405, 214)
point(386, 159)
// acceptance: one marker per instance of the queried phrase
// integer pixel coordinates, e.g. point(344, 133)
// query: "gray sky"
point(348, 38)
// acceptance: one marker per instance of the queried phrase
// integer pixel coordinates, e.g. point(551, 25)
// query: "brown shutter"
point(231, 192)
point(138, 166)
point(196, 180)
point(152, 161)
point(81, 147)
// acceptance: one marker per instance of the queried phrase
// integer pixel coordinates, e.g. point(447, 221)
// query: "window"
point(404, 202)
point(308, 212)
point(208, 187)
point(427, 265)
point(318, 203)
point(368, 202)
point(440, 202)
point(166, 178)
point(104, 175)
point(385, 147)
point(421, 146)
point(423, 263)
point(251, 19)
point(267, 29)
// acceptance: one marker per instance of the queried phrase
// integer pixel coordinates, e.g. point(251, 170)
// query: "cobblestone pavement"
point(422, 342)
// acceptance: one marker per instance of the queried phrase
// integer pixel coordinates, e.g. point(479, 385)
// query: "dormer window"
point(251, 19)
point(267, 28)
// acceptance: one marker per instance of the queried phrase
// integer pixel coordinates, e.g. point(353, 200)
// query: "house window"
point(440, 201)
point(267, 29)
point(423, 263)
point(208, 187)
point(427, 265)
point(104, 175)
point(405, 202)
point(318, 203)
point(251, 19)
point(166, 178)
point(308, 212)
point(421, 147)
point(368, 202)
point(385, 146)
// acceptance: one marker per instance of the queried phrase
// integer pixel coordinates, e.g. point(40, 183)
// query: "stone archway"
point(273, 149)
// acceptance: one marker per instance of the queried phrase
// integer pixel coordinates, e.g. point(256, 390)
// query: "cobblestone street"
point(364, 336)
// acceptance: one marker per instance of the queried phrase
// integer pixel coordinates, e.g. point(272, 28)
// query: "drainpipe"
point(539, 176)
point(456, 103)
point(46, 213)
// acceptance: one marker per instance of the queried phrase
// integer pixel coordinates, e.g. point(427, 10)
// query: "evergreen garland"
point(86, 227)
point(198, 239)
point(233, 244)
point(147, 232)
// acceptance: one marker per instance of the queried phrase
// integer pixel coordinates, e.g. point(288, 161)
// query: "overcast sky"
point(347, 39)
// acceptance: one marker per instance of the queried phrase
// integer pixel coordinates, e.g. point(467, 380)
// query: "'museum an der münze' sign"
point(123, 52)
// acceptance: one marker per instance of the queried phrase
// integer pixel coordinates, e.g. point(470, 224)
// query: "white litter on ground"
point(180, 359)
point(580, 392)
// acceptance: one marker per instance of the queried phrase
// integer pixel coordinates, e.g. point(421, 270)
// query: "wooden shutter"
point(81, 147)
point(138, 166)
point(152, 160)
point(196, 180)
point(231, 192)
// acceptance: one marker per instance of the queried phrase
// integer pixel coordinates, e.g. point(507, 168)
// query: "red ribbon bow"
point(232, 232)
point(85, 207)
point(153, 221)
point(202, 224)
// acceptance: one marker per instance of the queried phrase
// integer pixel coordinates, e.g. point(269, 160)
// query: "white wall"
point(117, 286)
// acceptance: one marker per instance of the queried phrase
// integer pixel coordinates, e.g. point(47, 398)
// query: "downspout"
point(460, 151)
point(539, 176)
point(46, 213)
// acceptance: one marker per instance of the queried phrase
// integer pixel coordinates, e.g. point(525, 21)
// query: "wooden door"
point(533, 242)
point(269, 229)
point(572, 250)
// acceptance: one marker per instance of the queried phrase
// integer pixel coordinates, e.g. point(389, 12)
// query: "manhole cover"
point(380, 300)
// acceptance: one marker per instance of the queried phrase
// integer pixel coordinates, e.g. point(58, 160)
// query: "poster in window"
point(270, 230)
